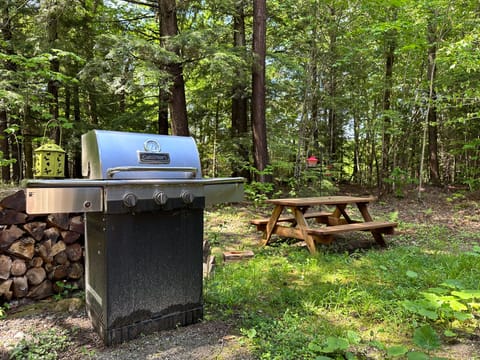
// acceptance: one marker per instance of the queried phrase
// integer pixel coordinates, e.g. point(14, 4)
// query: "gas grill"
point(143, 196)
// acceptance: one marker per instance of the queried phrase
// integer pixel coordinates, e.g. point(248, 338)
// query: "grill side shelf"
point(64, 200)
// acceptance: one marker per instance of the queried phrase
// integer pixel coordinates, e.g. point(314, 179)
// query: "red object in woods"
point(312, 161)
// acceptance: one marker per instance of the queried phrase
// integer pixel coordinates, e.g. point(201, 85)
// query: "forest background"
point(382, 92)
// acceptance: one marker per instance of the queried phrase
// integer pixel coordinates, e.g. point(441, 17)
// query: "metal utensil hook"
point(58, 124)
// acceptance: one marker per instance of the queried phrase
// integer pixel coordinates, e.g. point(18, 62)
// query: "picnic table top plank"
point(321, 200)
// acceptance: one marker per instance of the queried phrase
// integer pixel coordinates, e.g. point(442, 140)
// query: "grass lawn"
point(417, 299)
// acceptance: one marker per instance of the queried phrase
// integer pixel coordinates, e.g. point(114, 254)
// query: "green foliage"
point(3, 310)
point(44, 345)
point(6, 162)
point(257, 191)
point(312, 182)
point(397, 351)
point(65, 289)
point(473, 181)
point(449, 302)
point(331, 345)
point(112, 62)
point(426, 338)
point(456, 196)
point(399, 179)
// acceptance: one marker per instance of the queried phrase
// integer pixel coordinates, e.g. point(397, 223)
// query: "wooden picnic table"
point(295, 225)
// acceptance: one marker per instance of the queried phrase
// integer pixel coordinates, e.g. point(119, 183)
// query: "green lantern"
point(49, 161)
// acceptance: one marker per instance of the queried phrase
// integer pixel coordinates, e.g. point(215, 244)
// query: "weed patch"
point(45, 345)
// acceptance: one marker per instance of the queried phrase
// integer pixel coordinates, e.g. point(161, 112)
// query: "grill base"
point(144, 271)
point(113, 336)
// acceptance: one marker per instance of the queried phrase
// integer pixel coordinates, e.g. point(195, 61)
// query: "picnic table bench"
point(335, 222)
point(319, 216)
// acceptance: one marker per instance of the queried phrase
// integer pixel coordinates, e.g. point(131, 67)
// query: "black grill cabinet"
point(143, 200)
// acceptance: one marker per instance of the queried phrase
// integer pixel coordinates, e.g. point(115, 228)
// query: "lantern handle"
point(46, 127)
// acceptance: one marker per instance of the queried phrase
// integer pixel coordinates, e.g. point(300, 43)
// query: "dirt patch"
point(205, 340)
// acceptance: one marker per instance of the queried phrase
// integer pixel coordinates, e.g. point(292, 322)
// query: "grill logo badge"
point(152, 154)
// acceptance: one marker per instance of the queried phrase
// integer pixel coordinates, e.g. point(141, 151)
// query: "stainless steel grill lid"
point(123, 166)
point(123, 155)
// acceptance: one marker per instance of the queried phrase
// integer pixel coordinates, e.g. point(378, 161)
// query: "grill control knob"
point(129, 200)
point(187, 197)
point(160, 198)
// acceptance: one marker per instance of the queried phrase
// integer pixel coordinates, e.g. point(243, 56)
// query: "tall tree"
point(163, 98)
point(331, 84)
point(390, 47)
point(432, 38)
point(239, 94)
point(52, 8)
point(177, 101)
point(259, 127)
point(6, 31)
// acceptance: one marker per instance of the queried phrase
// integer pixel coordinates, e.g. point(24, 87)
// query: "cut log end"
point(38, 252)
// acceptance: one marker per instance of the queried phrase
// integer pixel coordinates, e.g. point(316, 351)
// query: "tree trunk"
point(356, 174)
point(28, 154)
point(89, 87)
point(77, 156)
point(76, 104)
point(239, 98)
point(177, 101)
point(4, 143)
point(163, 97)
point(52, 89)
point(432, 111)
point(315, 111)
point(17, 156)
point(387, 94)
point(315, 97)
point(53, 84)
point(162, 111)
point(68, 103)
point(259, 128)
point(331, 87)
point(92, 106)
point(6, 27)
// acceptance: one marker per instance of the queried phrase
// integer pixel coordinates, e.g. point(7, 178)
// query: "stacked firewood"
point(39, 255)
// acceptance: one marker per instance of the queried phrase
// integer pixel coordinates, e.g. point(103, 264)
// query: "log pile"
point(39, 255)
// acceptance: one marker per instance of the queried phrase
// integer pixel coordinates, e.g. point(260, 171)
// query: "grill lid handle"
point(112, 171)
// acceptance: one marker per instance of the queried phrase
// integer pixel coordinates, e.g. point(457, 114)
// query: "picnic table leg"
point(277, 211)
point(335, 217)
point(302, 225)
point(362, 207)
point(341, 209)
point(303, 209)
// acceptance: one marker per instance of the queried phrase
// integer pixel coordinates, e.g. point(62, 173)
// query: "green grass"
point(289, 304)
